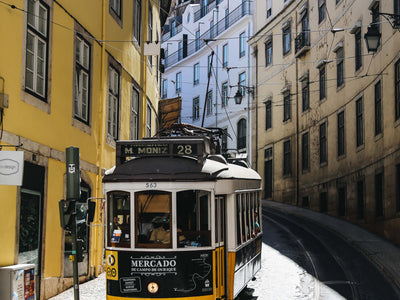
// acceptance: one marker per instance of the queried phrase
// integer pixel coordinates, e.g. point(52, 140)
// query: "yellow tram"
point(182, 221)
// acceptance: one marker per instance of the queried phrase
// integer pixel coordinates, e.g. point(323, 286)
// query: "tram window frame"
point(158, 228)
point(196, 206)
point(238, 221)
point(119, 220)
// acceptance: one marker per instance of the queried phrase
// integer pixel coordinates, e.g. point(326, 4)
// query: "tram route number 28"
point(183, 149)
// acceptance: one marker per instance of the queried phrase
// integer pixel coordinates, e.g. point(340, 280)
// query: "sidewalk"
point(379, 250)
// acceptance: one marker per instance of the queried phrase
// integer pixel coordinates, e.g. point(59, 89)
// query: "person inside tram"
point(256, 224)
point(161, 232)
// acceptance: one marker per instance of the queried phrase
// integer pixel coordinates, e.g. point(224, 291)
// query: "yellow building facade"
point(72, 73)
point(327, 111)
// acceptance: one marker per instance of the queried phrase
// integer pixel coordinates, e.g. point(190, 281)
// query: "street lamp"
point(238, 96)
point(373, 36)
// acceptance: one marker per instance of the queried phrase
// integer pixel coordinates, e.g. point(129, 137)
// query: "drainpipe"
point(97, 236)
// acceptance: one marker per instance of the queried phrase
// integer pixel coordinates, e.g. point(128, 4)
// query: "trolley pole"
point(73, 194)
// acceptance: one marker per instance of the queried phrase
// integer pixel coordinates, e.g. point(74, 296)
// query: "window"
point(119, 222)
point(196, 74)
point(268, 114)
point(323, 202)
point(287, 111)
point(268, 174)
point(134, 126)
point(82, 80)
point(173, 28)
point(396, 7)
point(269, 8)
point(115, 6)
point(225, 55)
point(209, 64)
point(242, 134)
point(359, 122)
point(209, 103)
point(193, 218)
point(150, 29)
point(178, 82)
point(153, 219)
point(165, 88)
point(340, 134)
point(339, 67)
point(268, 52)
point(379, 195)
point(397, 187)
point(323, 147)
point(305, 152)
point(224, 99)
point(397, 90)
point(137, 19)
point(305, 201)
point(113, 103)
point(287, 164)
point(226, 18)
point(244, 7)
point(224, 142)
point(375, 16)
point(305, 94)
point(286, 39)
point(196, 108)
point(211, 29)
point(36, 49)
point(180, 50)
point(341, 201)
point(242, 83)
point(378, 108)
point(360, 199)
point(322, 82)
point(148, 118)
point(321, 10)
point(358, 50)
point(197, 41)
point(242, 44)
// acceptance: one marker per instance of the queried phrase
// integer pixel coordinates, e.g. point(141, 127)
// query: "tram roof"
point(178, 169)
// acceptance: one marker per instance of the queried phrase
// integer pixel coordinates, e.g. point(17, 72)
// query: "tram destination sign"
point(173, 147)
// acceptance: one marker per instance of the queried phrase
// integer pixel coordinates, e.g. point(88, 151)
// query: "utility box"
point(17, 282)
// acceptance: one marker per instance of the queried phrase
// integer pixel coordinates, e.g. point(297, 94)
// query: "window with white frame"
point(36, 48)
point(165, 88)
point(196, 108)
point(148, 118)
point(134, 122)
point(137, 19)
point(196, 74)
point(115, 5)
point(269, 8)
point(286, 39)
point(242, 83)
point(113, 103)
point(209, 103)
point(82, 79)
point(178, 82)
point(224, 94)
point(242, 44)
point(225, 55)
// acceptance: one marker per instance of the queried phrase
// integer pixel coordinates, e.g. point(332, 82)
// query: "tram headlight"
point(152, 287)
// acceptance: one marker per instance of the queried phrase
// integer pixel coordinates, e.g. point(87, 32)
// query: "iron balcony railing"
point(194, 46)
point(302, 42)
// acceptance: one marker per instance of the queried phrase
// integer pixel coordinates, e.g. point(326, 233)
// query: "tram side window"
point(193, 218)
point(119, 221)
point(238, 214)
point(153, 219)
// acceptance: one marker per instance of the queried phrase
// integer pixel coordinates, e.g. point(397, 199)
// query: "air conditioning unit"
point(17, 282)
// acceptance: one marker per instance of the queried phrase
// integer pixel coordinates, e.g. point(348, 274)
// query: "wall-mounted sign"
point(11, 167)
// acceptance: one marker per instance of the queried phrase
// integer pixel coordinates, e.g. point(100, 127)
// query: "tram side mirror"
point(90, 211)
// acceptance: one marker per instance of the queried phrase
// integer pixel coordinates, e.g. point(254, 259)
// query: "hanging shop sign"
point(11, 167)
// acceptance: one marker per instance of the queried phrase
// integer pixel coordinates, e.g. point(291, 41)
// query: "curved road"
point(330, 260)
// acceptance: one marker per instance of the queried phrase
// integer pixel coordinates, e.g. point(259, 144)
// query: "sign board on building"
point(11, 167)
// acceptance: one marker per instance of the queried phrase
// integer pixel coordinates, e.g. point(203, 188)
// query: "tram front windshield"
point(153, 219)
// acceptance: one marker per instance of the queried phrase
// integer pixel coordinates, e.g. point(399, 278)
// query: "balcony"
point(238, 13)
point(302, 43)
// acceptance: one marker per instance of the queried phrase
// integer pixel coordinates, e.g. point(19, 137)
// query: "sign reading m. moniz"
point(11, 167)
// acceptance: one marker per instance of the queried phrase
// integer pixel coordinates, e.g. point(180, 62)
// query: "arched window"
point(241, 137)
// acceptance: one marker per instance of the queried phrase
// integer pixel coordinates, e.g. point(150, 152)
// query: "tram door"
point(220, 253)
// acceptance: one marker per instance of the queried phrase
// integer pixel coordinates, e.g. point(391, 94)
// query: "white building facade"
point(216, 34)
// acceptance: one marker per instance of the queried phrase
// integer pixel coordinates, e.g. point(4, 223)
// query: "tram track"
point(349, 280)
